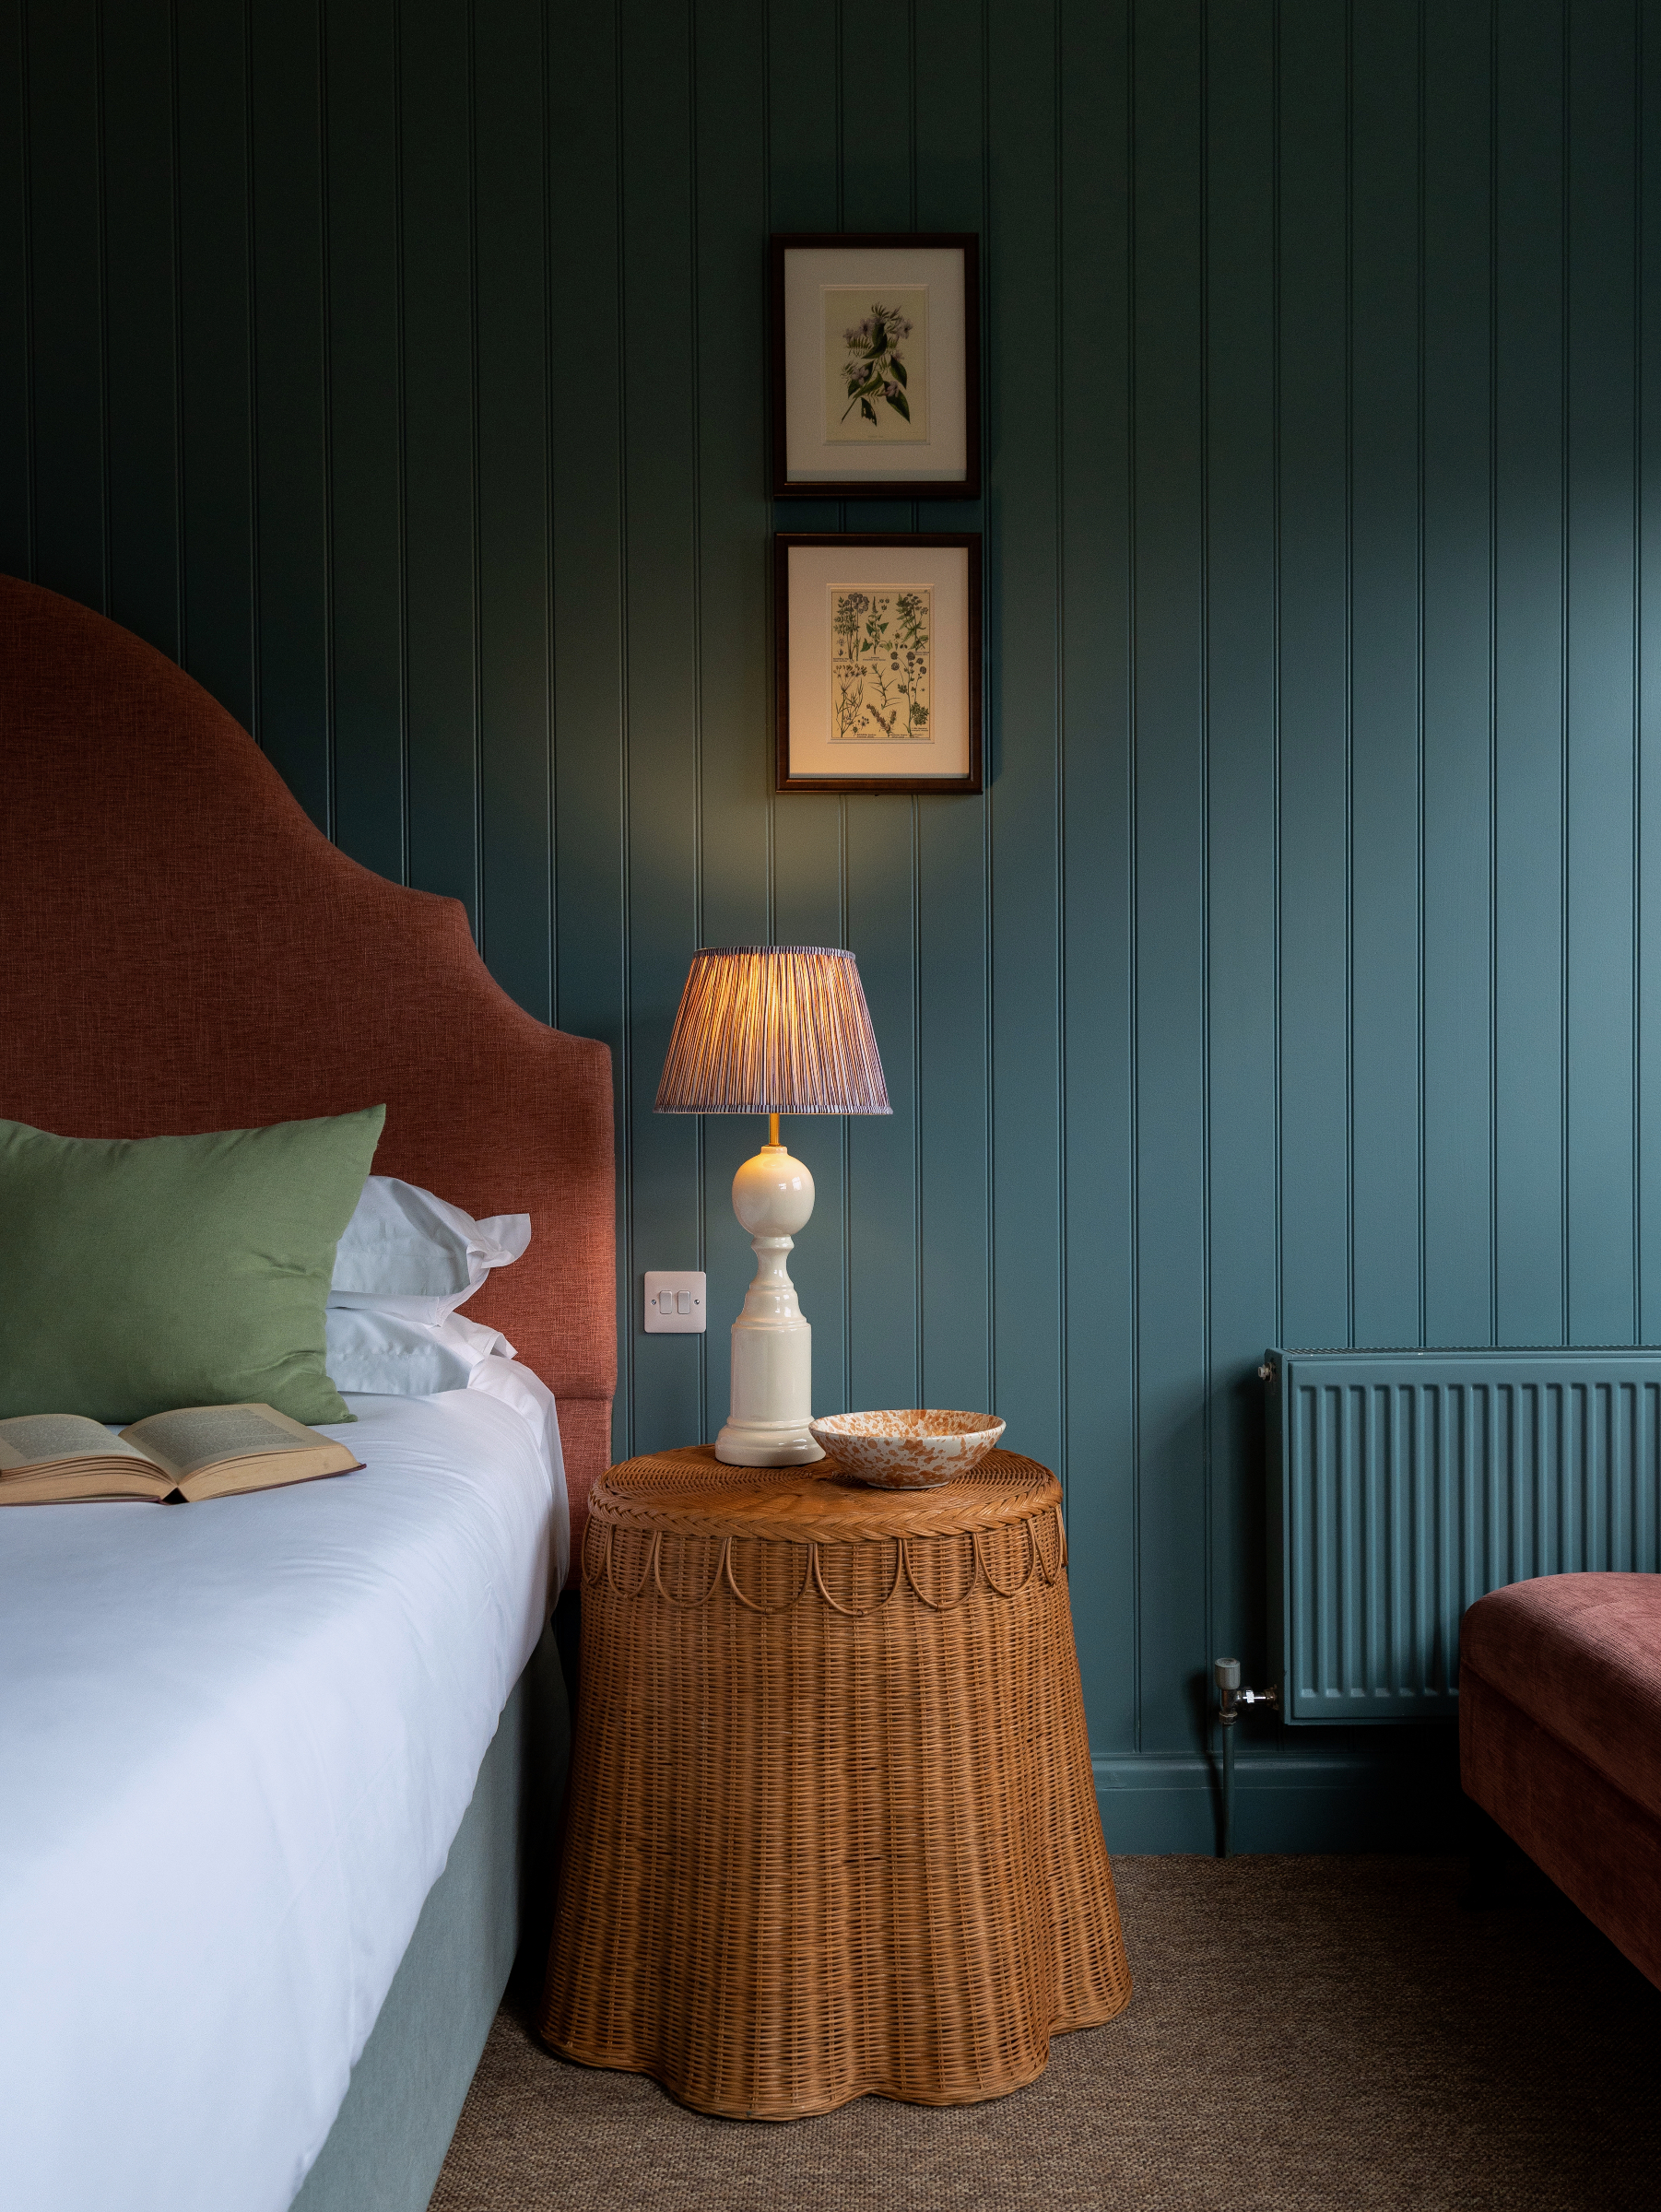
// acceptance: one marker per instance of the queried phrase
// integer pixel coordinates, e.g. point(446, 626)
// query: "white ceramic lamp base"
point(772, 1345)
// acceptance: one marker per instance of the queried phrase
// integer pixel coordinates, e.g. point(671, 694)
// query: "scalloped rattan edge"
point(691, 1493)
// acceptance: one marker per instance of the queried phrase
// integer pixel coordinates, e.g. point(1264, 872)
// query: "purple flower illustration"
point(875, 368)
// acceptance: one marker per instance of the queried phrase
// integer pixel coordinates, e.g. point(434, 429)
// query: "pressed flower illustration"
point(875, 368)
point(875, 364)
point(880, 660)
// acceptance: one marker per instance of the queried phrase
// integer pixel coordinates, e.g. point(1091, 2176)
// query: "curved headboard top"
point(184, 950)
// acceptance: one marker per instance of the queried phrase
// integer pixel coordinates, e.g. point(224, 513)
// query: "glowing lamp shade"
point(773, 1029)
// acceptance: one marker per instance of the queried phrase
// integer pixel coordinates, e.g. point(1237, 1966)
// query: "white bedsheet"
point(236, 1739)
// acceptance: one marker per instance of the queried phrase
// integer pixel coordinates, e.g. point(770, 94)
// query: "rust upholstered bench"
point(1559, 1740)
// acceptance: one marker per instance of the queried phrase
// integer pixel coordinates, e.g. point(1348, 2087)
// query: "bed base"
point(387, 2145)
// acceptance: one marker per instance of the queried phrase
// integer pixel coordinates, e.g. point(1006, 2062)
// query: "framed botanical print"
point(876, 365)
point(878, 663)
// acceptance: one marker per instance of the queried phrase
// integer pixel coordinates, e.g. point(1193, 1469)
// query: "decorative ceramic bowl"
point(914, 1449)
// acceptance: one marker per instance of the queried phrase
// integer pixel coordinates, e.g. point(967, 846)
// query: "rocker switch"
point(674, 1302)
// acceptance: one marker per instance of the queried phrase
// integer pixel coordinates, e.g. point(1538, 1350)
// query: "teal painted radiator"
point(1404, 1485)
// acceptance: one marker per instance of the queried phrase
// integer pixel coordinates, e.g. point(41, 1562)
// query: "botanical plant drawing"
point(876, 360)
point(880, 659)
point(875, 370)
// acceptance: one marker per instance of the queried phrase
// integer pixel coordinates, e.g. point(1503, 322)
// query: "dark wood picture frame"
point(898, 486)
point(970, 542)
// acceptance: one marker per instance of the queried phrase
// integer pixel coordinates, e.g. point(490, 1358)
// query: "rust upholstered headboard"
point(182, 950)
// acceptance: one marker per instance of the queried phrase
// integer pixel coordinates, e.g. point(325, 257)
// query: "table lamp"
point(773, 1029)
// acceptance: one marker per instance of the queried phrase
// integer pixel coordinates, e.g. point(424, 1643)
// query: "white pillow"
point(405, 1252)
point(393, 1355)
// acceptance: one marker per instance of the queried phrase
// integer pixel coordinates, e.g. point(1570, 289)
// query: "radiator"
point(1404, 1485)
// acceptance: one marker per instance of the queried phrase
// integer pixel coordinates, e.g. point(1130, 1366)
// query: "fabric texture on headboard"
point(182, 951)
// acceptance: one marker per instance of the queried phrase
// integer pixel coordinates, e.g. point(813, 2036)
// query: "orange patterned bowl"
point(915, 1448)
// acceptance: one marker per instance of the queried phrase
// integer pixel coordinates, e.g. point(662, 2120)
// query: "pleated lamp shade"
point(773, 1029)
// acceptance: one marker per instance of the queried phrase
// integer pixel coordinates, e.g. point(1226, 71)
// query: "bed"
point(186, 952)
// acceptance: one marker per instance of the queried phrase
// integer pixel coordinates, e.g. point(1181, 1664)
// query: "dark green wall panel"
point(437, 133)
point(65, 251)
point(1242, 1188)
point(1529, 677)
point(292, 568)
point(1169, 863)
point(214, 231)
point(1454, 708)
point(1313, 617)
point(1649, 735)
point(400, 365)
point(510, 242)
point(1382, 411)
point(16, 332)
point(141, 451)
point(1600, 642)
point(362, 114)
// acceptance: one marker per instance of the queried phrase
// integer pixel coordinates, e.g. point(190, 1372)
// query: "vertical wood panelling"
point(1529, 244)
point(661, 400)
point(17, 312)
point(1455, 679)
point(735, 753)
point(1022, 517)
point(809, 831)
point(436, 133)
point(516, 933)
point(1169, 861)
point(365, 434)
point(1241, 793)
point(1601, 700)
point(292, 566)
point(1094, 378)
point(950, 887)
point(883, 1287)
point(1649, 665)
point(400, 365)
point(1313, 626)
point(876, 171)
point(141, 455)
point(588, 479)
point(1383, 433)
point(215, 366)
point(66, 254)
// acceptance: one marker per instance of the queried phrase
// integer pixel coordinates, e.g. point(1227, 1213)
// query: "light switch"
point(674, 1302)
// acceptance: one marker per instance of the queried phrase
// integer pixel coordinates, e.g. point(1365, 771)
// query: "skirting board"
point(1313, 1801)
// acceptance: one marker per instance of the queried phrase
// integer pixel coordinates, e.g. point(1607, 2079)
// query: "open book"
point(199, 1451)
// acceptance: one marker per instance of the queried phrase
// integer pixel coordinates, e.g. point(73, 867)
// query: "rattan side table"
point(831, 1828)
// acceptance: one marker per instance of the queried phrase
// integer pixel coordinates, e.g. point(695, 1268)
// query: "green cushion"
point(137, 1273)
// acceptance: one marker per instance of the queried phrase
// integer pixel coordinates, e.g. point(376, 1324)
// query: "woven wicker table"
point(832, 1827)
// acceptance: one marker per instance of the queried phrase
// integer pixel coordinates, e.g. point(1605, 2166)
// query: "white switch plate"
point(674, 1302)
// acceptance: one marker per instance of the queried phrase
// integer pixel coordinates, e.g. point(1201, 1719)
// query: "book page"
point(201, 1436)
point(29, 1439)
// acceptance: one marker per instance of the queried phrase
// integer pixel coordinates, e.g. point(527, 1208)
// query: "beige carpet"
point(1307, 2035)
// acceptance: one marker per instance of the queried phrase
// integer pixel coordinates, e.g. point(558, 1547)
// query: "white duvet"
point(236, 1739)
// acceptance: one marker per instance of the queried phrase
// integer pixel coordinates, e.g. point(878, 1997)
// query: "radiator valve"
point(1231, 1700)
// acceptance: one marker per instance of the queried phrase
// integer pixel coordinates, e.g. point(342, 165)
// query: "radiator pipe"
point(1227, 1674)
point(1231, 1700)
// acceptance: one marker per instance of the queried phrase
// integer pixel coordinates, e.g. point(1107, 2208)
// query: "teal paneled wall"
point(400, 366)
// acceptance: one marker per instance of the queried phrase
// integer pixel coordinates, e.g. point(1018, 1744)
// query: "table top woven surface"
point(690, 1493)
